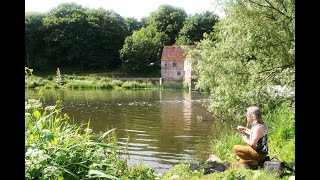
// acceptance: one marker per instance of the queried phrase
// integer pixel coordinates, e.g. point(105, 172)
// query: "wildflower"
point(100, 152)
point(33, 104)
point(51, 172)
point(58, 77)
point(49, 108)
point(87, 130)
point(36, 156)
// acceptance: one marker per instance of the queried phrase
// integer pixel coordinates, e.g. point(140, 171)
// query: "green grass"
point(91, 81)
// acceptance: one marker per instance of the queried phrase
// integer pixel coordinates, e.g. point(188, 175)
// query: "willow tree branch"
point(284, 7)
point(271, 7)
point(278, 67)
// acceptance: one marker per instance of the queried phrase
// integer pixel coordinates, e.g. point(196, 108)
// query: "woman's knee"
point(236, 148)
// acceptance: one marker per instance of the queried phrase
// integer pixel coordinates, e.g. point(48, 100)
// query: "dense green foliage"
point(253, 54)
point(35, 54)
point(133, 24)
point(195, 26)
point(168, 19)
point(72, 36)
point(86, 46)
point(142, 50)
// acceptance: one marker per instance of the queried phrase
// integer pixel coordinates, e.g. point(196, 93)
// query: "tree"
point(141, 52)
point(65, 34)
point(133, 24)
point(108, 31)
point(254, 51)
point(85, 38)
point(168, 19)
point(35, 55)
point(194, 27)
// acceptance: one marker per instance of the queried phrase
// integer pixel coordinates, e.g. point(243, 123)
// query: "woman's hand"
point(241, 128)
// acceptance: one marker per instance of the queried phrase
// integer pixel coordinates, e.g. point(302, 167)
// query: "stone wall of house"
point(172, 70)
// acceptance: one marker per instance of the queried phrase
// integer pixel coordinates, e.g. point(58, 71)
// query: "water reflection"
point(162, 127)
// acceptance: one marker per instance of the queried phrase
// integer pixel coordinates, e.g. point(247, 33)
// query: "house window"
point(174, 64)
point(179, 73)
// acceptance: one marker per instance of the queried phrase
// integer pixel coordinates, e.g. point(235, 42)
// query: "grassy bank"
point(91, 81)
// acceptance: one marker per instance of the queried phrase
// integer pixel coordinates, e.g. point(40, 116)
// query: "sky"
point(129, 8)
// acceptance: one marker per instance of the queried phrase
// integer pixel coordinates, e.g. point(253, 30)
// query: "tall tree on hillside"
point(35, 56)
point(254, 50)
point(65, 33)
point(194, 27)
point(108, 31)
point(84, 38)
point(133, 24)
point(144, 21)
point(141, 52)
point(168, 19)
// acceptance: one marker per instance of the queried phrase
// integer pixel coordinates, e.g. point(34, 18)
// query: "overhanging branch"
point(278, 67)
point(271, 7)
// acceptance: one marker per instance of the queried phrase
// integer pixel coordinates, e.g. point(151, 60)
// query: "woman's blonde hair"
point(256, 112)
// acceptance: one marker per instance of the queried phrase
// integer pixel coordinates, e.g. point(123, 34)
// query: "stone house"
point(175, 67)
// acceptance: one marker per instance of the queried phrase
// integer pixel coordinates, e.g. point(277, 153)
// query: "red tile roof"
point(173, 53)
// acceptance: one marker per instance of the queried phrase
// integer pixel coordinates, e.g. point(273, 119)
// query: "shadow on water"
point(162, 127)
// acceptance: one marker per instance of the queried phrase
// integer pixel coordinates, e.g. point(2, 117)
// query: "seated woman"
point(256, 149)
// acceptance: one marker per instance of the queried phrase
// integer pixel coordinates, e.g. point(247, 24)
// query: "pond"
point(162, 127)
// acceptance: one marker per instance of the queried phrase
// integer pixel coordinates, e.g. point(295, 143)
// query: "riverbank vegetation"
point(250, 53)
point(91, 81)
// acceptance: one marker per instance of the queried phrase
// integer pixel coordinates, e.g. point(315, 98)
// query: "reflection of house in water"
point(187, 111)
point(176, 113)
point(179, 127)
point(176, 67)
point(183, 113)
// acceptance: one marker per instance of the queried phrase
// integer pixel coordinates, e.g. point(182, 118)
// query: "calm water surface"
point(163, 127)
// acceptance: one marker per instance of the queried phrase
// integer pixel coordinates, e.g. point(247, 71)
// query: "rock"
point(213, 157)
point(208, 167)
